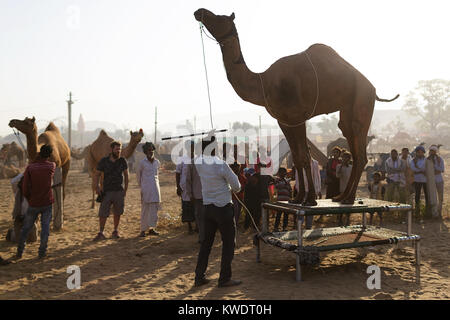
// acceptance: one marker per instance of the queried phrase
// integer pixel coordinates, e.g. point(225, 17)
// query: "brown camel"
point(51, 136)
point(10, 150)
point(297, 88)
point(8, 171)
point(343, 144)
point(100, 148)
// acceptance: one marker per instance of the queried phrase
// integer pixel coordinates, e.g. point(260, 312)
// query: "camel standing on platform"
point(51, 136)
point(297, 88)
point(11, 150)
point(101, 148)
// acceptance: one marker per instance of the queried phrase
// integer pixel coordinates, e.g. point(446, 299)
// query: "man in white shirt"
point(218, 180)
point(395, 170)
point(148, 181)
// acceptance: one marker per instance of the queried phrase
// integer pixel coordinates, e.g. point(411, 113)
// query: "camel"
point(298, 87)
point(13, 149)
point(343, 144)
point(8, 171)
point(100, 148)
point(51, 136)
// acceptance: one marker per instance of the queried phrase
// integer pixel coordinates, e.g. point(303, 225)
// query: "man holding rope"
point(217, 180)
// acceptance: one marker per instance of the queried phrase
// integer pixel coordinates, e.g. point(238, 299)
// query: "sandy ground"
point(163, 267)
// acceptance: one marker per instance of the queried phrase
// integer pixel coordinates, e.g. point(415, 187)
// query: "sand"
point(163, 267)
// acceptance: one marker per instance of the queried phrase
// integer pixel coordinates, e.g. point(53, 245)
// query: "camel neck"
point(129, 149)
point(246, 83)
point(32, 146)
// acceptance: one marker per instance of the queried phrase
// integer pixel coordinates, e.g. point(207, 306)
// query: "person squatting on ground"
point(37, 189)
point(217, 180)
point(377, 189)
point(343, 172)
point(115, 173)
point(187, 208)
point(18, 214)
point(439, 168)
point(193, 186)
point(148, 181)
point(396, 181)
point(284, 193)
point(417, 165)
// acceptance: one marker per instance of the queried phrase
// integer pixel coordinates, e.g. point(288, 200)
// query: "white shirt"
point(217, 180)
point(315, 175)
point(148, 181)
point(392, 165)
point(343, 173)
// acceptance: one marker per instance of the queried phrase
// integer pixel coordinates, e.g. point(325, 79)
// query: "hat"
point(419, 148)
point(147, 146)
point(249, 171)
point(434, 148)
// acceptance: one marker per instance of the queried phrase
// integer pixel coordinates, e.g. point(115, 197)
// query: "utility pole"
point(156, 114)
point(69, 105)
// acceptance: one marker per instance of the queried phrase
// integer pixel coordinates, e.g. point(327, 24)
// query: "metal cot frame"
point(303, 211)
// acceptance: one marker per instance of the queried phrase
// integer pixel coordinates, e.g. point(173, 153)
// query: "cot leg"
point(298, 275)
point(265, 219)
point(364, 220)
point(417, 254)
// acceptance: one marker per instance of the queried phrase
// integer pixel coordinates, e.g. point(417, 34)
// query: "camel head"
point(220, 27)
point(26, 126)
point(136, 137)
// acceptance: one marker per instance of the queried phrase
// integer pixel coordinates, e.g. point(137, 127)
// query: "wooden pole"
point(69, 107)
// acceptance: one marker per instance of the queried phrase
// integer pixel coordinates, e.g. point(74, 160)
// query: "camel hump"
point(52, 127)
point(102, 133)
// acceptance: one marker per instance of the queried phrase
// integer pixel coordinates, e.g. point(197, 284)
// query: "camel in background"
point(76, 154)
point(10, 150)
point(100, 148)
point(8, 171)
point(297, 88)
point(343, 144)
point(51, 136)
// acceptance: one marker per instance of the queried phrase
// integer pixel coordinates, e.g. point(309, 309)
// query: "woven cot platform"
point(327, 206)
point(312, 242)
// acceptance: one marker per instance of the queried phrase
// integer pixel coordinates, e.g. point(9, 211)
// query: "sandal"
point(115, 235)
point(100, 236)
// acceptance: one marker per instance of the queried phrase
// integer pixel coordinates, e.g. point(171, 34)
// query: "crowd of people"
point(214, 196)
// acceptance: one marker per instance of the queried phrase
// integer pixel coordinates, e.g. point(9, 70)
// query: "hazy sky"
point(124, 58)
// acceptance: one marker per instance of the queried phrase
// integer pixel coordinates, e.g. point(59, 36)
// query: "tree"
point(244, 126)
point(329, 125)
point(431, 102)
point(394, 126)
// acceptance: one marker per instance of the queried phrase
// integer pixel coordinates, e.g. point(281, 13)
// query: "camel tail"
point(387, 100)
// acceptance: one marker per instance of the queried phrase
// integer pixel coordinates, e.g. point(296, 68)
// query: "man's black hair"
point(46, 151)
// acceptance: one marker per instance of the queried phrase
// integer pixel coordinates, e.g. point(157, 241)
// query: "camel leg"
point(355, 127)
point(296, 137)
point(65, 171)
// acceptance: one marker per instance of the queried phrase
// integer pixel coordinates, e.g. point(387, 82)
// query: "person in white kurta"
point(147, 177)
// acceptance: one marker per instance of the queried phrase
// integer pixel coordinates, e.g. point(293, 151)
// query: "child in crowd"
point(377, 189)
point(284, 192)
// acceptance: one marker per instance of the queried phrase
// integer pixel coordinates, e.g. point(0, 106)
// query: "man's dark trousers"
point(221, 218)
